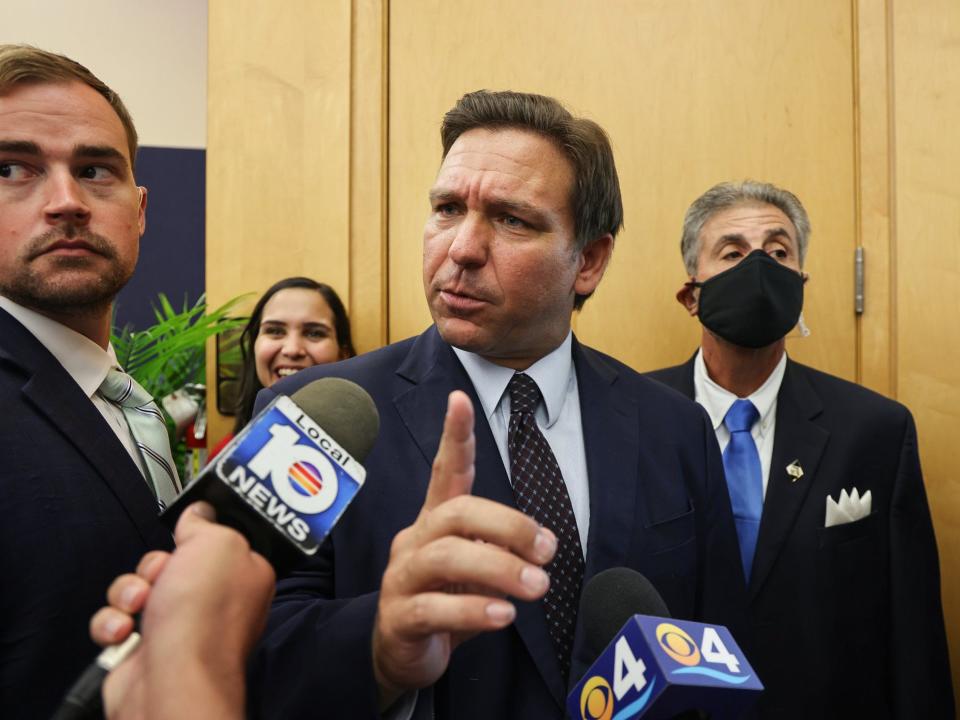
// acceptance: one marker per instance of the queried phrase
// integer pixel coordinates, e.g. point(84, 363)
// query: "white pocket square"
point(848, 509)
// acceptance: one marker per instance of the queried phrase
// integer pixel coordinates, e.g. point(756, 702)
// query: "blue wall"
point(172, 259)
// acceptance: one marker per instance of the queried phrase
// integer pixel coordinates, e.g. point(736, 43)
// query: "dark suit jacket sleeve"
point(315, 657)
point(920, 662)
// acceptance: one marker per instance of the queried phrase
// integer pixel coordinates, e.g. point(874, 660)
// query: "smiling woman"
point(297, 323)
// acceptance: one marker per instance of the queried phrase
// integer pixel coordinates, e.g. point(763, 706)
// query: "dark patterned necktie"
point(542, 494)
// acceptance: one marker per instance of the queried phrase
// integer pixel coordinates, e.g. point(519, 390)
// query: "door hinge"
point(858, 281)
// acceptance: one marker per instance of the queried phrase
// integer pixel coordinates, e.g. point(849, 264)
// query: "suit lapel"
point(54, 394)
point(434, 370)
point(611, 442)
point(796, 439)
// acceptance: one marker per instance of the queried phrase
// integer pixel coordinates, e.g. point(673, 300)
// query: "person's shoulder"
point(843, 396)
point(650, 391)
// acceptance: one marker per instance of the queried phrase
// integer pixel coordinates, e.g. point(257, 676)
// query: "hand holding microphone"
point(203, 608)
point(282, 484)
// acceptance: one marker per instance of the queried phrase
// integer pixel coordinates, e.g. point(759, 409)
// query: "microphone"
point(282, 483)
point(649, 665)
point(287, 477)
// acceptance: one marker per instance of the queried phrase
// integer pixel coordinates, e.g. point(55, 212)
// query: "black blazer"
point(844, 622)
point(657, 501)
point(76, 513)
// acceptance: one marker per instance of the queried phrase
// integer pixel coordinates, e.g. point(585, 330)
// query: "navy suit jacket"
point(76, 513)
point(657, 500)
point(846, 621)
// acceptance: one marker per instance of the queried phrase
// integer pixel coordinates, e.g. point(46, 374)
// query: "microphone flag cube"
point(655, 668)
point(282, 481)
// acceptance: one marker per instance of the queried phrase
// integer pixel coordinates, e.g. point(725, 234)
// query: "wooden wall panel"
point(926, 55)
point(691, 93)
point(295, 136)
point(323, 141)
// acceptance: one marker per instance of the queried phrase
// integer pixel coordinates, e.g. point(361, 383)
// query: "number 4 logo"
point(714, 651)
point(628, 670)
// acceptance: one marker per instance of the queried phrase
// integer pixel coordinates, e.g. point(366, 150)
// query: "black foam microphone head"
point(611, 598)
point(343, 409)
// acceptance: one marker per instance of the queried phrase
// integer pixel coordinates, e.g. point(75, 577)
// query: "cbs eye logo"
point(680, 647)
point(677, 644)
point(596, 700)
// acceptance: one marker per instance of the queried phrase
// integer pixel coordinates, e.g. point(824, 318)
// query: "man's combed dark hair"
point(595, 195)
point(23, 64)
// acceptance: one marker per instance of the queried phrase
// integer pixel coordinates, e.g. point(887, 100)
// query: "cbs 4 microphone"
point(654, 667)
point(282, 482)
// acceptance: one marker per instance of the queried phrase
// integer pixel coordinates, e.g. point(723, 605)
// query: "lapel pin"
point(794, 470)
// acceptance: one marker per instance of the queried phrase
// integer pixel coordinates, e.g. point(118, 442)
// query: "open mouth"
point(285, 372)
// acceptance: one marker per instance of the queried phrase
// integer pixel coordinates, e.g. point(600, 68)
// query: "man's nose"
point(66, 199)
point(471, 244)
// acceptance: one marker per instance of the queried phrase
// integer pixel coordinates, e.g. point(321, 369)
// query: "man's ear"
point(689, 296)
point(593, 262)
point(142, 209)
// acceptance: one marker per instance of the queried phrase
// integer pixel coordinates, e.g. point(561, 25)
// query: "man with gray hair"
point(844, 617)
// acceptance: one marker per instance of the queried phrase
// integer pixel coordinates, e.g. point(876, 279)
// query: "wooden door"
point(691, 93)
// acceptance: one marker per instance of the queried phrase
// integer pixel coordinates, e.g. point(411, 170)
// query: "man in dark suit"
point(76, 509)
point(844, 614)
point(405, 609)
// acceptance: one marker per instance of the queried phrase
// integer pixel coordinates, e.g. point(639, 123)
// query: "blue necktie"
point(741, 464)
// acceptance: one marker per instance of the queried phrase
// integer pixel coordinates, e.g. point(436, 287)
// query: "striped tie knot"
point(148, 430)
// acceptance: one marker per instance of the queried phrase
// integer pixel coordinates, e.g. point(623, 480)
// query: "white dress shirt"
point(717, 401)
point(558, 417)
point(85, 361)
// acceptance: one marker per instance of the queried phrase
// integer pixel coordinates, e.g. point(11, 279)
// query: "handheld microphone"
point(654, 667)
point(287, 477)
point(282, 482)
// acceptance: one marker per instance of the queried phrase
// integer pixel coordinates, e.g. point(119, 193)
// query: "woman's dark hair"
point(249, 382)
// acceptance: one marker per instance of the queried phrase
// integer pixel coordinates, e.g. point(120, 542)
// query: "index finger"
point(453, 467)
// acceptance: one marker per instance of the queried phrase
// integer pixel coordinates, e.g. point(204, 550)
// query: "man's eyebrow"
point(777, 232)
point(103, 152)
point(768, 235)
point(20, 147)
point(442, 195)
point(439, 195)
point(524, 208)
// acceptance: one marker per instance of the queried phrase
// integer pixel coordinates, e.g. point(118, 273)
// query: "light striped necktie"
point(149, 432)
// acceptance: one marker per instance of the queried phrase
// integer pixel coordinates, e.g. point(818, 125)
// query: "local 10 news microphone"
point(282, 482)
point(654, 667)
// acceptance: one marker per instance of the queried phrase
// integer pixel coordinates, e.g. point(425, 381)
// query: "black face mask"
point(754, 303)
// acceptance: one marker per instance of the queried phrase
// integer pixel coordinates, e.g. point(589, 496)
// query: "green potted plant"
point(170, 355)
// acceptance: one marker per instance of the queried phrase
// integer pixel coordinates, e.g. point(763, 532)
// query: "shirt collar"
point(551, 373)
point(85, 361)
point(717, 400)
